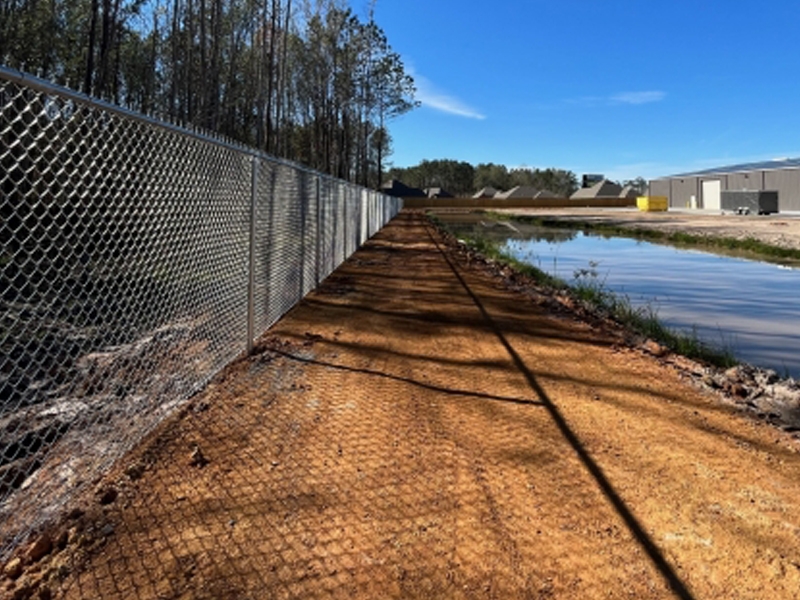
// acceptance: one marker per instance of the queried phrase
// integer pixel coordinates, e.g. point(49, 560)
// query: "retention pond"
point(745, 306)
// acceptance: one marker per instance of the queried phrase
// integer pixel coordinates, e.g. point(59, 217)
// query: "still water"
point(751, 308)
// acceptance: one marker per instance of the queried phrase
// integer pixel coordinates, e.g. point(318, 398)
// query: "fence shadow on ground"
point(656, 556)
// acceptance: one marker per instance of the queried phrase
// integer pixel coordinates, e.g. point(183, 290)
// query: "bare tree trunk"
point(106, 42)
point(216, 59)
point(381, 132)
point(203, 71)
point(174, 79)
point(283, 147)
point(89, 74)
point(149, 100)
point(116, 48)
point(189, 62)
point(271, 76)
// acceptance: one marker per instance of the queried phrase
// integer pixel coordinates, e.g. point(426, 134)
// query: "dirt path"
point(414, 430)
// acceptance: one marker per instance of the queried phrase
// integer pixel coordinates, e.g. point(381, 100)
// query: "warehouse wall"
point(746, 180)
point(682, 191)
point(679, 190)
point(787, 183)
point(660, 187)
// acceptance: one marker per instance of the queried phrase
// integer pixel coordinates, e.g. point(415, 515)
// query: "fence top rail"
point(46, 87)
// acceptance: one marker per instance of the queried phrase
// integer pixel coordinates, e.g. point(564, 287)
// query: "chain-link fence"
point(137, 260)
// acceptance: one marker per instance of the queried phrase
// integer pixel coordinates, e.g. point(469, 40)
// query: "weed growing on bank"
point(587, 287)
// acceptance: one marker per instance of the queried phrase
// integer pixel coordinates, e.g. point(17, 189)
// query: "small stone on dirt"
point(40, 548)
point(738, 390)
point(201, 406)
point(23, 593)
point(135, 471)
point(311, 338)
point(654, 348)
point(107, 495)
point(197, 458)
point(62, 540)
point(13, 568)
point(75, 514)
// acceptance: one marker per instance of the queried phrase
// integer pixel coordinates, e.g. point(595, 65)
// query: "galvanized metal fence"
point(138, 259)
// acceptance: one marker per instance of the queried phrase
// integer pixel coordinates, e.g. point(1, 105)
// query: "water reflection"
point(747, 306)
point(501, 231)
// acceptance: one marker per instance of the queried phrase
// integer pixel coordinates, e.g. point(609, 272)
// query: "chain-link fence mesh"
point(137, 260)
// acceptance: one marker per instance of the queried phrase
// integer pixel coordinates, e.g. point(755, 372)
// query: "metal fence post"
point(342, 216)
point(251, 292)
point(303, 234)
point(318, 230)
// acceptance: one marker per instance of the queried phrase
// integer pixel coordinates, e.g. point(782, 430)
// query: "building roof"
point(628, 192)
point(545, 194)
point(487, 192)
point(601, 189)
point(401, 190)
point(437, 192)
point(521, 191)
point(767, 165)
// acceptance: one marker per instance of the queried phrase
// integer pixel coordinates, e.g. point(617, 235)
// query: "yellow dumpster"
point(652, 203)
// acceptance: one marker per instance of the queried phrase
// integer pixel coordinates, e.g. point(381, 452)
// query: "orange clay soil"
point(413, 429)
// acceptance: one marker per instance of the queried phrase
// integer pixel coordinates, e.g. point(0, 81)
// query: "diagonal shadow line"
point(414, 382)
point(667, 572)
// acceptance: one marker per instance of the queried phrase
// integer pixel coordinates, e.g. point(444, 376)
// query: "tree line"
point(306, 80)
point(463, 179)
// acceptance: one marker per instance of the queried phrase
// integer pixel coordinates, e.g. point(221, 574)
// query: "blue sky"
point(626, 88)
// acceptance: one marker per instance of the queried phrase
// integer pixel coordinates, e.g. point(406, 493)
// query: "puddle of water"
point(746, 306)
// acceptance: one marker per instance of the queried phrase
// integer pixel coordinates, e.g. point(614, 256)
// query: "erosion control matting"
point(413, 429)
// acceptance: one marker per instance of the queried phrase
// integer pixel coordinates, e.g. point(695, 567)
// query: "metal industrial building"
point(703, 189)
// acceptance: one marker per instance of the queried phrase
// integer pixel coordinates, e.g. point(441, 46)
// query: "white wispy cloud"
point(429, 95)
point(621, 98)
point(638, 97)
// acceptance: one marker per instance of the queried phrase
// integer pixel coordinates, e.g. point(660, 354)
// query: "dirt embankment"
point(423, 426)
